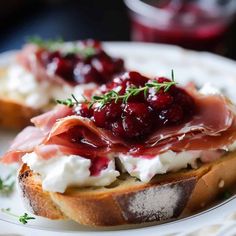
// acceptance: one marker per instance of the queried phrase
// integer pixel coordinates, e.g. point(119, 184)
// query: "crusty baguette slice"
point(14, 114)
point(35, 198)
point(130, 201)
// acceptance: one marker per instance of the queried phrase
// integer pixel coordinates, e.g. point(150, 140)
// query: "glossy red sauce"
point(98, 164)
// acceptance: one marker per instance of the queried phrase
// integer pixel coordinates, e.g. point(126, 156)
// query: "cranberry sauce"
point(73, 143)
point(98, 164)
point(88, 63)
point(143, 113)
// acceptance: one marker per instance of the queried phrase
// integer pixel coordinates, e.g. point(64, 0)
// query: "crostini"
point(44, 71)
point(139, 150)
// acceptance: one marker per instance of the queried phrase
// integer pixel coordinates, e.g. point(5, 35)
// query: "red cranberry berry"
point(100, 116)
point(161, 100)
point(61, 67)
point(47, 57)
point(140, 111)
point(113, 110)
point(138, 119)
point(85, 73)
point(136, 79)
point(106, 114)
point(118, 64)
point(118, 129)
point(117, 84)
point(83, 110)
point(132, 127)
point(162, 79)
point(105, 67)
point(185, 100)
point(172, 115)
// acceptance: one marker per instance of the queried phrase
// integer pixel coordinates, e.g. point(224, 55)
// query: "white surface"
point(151, 59)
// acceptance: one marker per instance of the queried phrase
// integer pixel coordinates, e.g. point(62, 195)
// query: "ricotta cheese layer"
point(61, 172)
point(145, 168)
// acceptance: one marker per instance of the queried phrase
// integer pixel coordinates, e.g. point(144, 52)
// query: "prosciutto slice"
point(212, 127)
point(213, 116)
point(32, 136)
point(24, 142)
point(29, 58)
point(46, 121)
point(53, 150)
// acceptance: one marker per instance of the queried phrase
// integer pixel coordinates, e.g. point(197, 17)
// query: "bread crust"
point(129, 201)
point(220, 177)
point(37, 200)
point(14, 114)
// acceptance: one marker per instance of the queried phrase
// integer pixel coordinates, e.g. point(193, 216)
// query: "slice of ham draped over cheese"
point(29, 58)
point(59, 131)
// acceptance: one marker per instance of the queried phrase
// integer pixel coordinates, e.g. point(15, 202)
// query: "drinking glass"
point(195, 24)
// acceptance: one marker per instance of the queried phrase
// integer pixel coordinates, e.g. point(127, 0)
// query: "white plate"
point(150, 59)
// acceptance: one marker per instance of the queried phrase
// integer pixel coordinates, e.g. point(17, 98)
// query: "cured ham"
point(30, 59)
point(24, 142)
point(214, 115)
point(211, 127)
point(46, 121)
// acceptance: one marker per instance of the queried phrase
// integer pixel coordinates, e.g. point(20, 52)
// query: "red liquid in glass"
point(198, 29)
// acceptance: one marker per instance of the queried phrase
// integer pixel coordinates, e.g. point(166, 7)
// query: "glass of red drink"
point(195, 24)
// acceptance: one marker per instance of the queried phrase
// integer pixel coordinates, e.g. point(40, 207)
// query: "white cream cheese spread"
point(146, 168)
point(61, 172)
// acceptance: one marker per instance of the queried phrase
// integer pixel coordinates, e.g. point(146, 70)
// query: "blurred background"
point(196, 24)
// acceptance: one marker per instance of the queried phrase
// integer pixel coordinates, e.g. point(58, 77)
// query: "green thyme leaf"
point(48, 44)
point(56, 44)
point(112, 95)
point(67, 102)
point(21, 218)
point(25, 218)
point(132, 91)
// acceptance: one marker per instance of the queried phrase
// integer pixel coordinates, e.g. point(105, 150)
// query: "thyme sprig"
point(132, 91)
point(115, 96)
point(7, 184)
point(56, 44)
point(70, 102)
point(49, 43)
point(21, 218)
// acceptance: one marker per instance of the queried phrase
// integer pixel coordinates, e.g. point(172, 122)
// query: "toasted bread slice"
point(128, 200)
point(14, 114)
